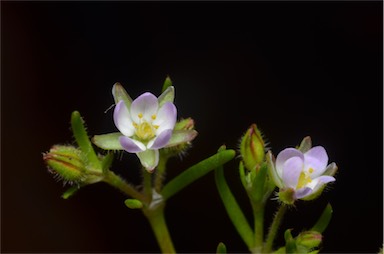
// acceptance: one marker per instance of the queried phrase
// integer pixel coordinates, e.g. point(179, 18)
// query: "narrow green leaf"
point(167, 83)
point(108, 141)
point(233, 210)
point(195, 172)
point(221, 248)
point(83, 141)
point(69, 193)
point(324, 219)
point(119, 94)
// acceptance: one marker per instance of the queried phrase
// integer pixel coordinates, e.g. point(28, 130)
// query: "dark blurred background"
point(293, 68)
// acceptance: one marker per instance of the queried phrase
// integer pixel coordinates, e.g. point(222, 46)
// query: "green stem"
point(147, 183)
point(274, 228)
point(258, 215)
point(119, 183)
point(160, 170)
point(157, 221)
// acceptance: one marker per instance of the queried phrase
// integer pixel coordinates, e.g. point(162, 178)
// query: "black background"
point(293, 68)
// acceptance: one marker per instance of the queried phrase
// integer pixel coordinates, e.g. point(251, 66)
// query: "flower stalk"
point(274, 228)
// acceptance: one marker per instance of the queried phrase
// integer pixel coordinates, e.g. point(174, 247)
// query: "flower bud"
point(66, 162)
point(252, 148)
point(309, 239)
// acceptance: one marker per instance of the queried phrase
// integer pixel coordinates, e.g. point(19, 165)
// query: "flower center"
point(145, 130)
point(304, 179)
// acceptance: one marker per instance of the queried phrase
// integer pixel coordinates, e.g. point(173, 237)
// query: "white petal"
point(145, 106)
point(317, 159)
point(291, 171)
point(283, 156)
point(161, 140)
point(303, 192)
point(320, 181)
point(131, 145)
point(123, 119)
point(166, 117)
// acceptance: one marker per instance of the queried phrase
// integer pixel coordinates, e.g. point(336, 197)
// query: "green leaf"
point(221, 248)
point(70, 192)
point(195, 172)
point(233, 210)
point(167, 96)
point(108, 141)
point(83, 141)
point(324, 219)
point(167, 83)
point(133, 203)
point(119, 94)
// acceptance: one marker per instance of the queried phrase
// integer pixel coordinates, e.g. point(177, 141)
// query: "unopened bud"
point(252, 148)
point(66, 162)
point(309, 239)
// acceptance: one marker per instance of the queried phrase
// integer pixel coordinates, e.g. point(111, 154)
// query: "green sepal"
point(181, 136)
point(233, 209)
point(167, 83)
point(108, 141)
point(331, 169)
point(167, 96)
point(81, 136)
point(258, 185)
point(323, 221)
point(272, 170)
point(305, 144)
point(221, 248)
point(106, 161)
point(185, 124)
point(195, 172)
point(70, 192)
point(120, 94)
point(243, 176)
point(133, 203)
point(290, 244)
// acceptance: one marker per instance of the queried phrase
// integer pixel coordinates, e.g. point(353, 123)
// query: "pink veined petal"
point(166, 117)
point(320, 181)
point(303, 192)
point(146, 105)
point(131, 145)
point(317, 159)
point(123, 120)
point(161, 140)
point(149, 159)
point(291, 171)
point(283, 156)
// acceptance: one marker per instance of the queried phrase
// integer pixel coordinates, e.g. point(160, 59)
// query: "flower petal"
point(320, 181)
point(131, 145)
point(302, 192)
point(166, 117)
point(149, 159)
point(317, 159)
point(291, 171)
point(283, 156)
point(123, 120)
point(146, 105)
point(161, 140)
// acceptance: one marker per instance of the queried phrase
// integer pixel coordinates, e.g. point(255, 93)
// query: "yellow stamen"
point(310, 170)
point(304, 179)
point(140, 115)
point(156, 126)
point(153, 117)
